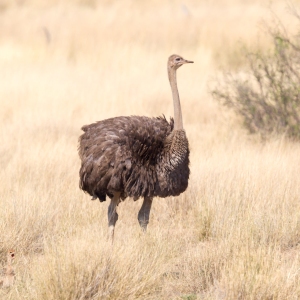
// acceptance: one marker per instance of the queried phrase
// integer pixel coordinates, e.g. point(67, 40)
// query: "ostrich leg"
point(144, 213)
point(112, 215)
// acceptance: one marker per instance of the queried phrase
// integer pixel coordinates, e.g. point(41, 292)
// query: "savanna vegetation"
point(234, 234)
point(267, 96)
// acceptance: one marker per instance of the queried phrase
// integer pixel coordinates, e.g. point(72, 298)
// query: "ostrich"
point(136, 156)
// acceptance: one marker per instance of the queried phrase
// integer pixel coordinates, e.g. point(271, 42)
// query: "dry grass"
point(234, 234)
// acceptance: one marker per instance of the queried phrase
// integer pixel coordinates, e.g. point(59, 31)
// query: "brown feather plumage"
point(136, 156)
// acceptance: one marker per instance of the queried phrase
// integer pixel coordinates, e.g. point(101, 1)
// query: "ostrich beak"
point(188, 61)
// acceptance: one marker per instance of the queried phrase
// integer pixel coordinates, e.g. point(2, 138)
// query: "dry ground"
point(234, 234)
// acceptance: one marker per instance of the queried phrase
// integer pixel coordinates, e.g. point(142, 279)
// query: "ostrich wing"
point(120, 154)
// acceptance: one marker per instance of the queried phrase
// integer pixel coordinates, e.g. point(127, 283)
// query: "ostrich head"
point(175, 61)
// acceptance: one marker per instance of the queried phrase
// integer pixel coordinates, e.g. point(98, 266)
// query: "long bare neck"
point(176, 101)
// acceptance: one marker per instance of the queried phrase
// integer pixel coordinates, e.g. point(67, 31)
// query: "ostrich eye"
point(178, 59)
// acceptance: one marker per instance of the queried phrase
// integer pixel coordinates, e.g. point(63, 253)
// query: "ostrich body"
point(136, 157)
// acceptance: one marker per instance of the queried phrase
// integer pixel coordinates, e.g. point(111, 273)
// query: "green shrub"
point(267, 96)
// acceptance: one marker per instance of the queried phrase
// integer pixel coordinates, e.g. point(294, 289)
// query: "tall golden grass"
point(234, 234)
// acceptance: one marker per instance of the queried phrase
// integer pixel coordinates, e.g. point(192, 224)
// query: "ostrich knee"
point(143, 220)
point(144, 213)
point(112, 219)
point(111, 225)
point(113, 215)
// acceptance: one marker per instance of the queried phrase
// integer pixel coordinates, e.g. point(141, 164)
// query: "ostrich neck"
point(176, 101)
